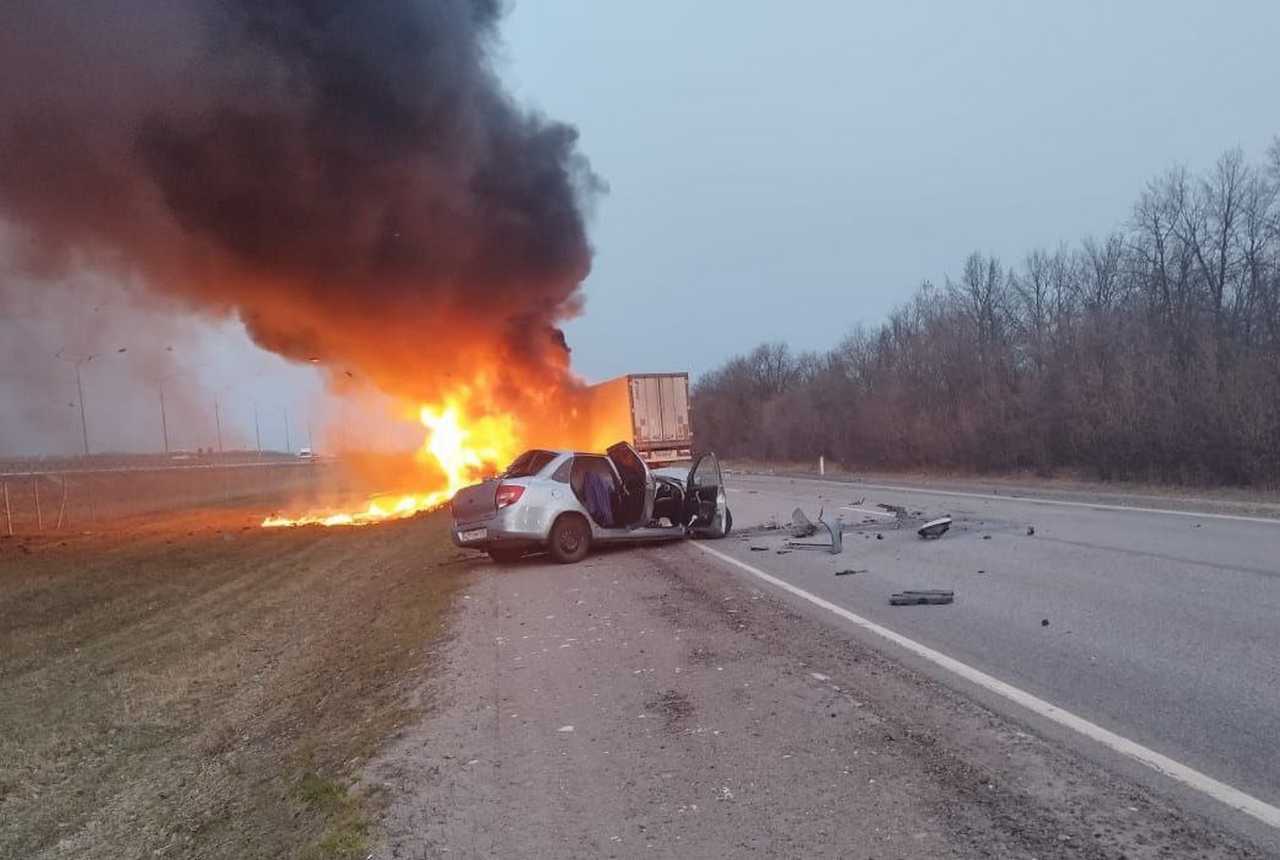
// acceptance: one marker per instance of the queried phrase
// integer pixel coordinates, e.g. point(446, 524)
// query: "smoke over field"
point(351, 181)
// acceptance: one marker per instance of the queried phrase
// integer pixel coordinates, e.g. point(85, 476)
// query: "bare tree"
point(1151, 353)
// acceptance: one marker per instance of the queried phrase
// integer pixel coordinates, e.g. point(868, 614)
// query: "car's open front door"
point(706, 504)
point(636, 504)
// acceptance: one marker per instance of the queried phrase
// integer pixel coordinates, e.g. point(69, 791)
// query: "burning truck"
point(466, 442)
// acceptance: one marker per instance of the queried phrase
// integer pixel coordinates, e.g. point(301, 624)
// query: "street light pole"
point(164, 421)
point(217, 420)
point(288, 446)
point(84, 424)
point(257, 428)
point(76, 362)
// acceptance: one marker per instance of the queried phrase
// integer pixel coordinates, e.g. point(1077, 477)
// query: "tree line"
point(1151, 353)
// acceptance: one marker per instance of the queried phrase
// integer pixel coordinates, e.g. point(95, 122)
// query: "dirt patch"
point(205, 688)
point(675, 708)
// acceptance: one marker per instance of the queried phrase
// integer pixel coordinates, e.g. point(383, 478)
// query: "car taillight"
point(509, 494)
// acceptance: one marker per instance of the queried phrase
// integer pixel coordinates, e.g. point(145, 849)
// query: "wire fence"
point(36, 502)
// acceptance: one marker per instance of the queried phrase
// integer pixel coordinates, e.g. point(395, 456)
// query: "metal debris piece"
point(986, 537)
point(802, 526)
point(759, 548)
point(849, 571)
point(1031, 530)
point(897, 510)
point(837, 537)
point(922, 598)
point(934, 528)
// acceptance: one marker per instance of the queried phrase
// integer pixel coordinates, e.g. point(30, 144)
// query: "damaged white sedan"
point(564, 502)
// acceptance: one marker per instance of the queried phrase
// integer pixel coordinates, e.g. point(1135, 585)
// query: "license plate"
point(473, 535)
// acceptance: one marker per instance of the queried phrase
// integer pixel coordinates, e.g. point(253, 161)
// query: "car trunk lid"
point(475, 502)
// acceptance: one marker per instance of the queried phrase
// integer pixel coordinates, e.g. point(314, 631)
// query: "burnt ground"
point(200, 687)
point(648, 702)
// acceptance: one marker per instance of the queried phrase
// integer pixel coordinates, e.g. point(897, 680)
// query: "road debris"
point(1031, 530)
point(755, 548)
point(1044, 622)
point(986, 537)
point(920, 598)
point(934, 528)
point(835, 531)
point(802, 526)
point(849, 571)
point(897, 510)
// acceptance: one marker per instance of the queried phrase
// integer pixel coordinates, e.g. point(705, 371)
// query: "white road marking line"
point(867, 511)
point(1233, 797)
point(1098, 506)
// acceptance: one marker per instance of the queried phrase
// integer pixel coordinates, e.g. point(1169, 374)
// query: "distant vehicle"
point(305, 454)
point(649, 410)
point(565, 502)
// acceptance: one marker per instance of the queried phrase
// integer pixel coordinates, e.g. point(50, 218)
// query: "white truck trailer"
point(649, 410)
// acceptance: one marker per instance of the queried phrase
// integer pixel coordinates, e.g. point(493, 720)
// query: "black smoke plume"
point(349, 178)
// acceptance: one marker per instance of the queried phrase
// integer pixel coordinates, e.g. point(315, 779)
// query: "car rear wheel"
point(570, 539)
point(506, 555)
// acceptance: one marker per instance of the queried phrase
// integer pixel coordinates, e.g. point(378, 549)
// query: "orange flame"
point(462, 448)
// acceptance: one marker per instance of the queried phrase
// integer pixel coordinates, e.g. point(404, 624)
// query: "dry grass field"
point(201, 687)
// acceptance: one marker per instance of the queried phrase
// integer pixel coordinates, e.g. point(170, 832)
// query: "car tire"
point(728, 522)
point(570, 539)
point(506, 555)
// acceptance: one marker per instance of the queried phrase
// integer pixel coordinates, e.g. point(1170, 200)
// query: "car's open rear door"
point(705, 500)
point(636, 505)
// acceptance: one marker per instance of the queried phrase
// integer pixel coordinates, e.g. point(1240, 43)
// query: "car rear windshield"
point(528, 464)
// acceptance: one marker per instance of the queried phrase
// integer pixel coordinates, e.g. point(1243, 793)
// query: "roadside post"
point(62, 506)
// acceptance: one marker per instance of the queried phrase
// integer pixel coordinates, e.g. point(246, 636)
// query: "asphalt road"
point(655, 702)
point(1161, 627)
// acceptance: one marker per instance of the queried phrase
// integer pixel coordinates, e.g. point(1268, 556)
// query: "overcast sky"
point(788, 170)
point(783, 174)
